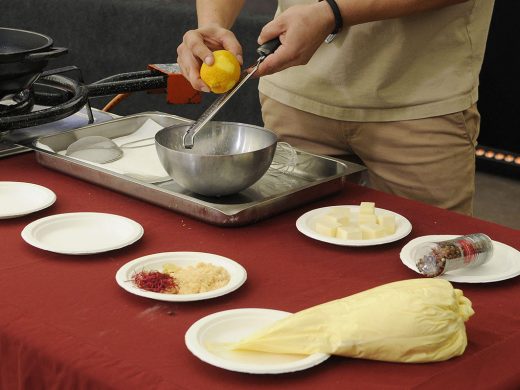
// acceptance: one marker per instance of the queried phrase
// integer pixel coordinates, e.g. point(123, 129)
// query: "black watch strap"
point(338, 20)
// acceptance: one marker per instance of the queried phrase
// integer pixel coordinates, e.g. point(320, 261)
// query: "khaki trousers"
point(431, 160)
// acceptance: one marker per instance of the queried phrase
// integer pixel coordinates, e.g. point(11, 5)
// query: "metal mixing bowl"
point(226, 157)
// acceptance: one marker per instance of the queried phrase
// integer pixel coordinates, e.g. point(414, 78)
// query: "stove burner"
point(16, 104)
point(63, 97)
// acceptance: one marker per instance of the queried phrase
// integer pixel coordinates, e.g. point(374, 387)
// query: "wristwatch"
point(338, 20)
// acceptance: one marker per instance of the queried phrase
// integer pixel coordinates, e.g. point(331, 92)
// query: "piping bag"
point(416, 320)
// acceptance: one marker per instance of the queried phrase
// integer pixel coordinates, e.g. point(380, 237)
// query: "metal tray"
point(312, 178)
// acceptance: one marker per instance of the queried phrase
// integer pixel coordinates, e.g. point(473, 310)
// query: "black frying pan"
point(23, 56)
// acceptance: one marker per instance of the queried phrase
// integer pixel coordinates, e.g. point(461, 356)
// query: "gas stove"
point(56, 103)
point(50, 103)
point(35, 101)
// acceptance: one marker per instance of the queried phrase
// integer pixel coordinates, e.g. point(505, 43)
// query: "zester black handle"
point(269, 47)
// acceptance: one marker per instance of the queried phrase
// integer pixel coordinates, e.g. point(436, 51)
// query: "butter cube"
point(367, 218)
point(326, 227)
point(367, 208)
point(372, 230)
point(387, 221)
point(349, 233)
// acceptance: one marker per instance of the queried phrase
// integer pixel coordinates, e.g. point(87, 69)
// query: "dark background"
point(500, 80)
point(107, 37)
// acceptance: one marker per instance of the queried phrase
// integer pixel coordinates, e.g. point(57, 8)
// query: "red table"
point(65, 323)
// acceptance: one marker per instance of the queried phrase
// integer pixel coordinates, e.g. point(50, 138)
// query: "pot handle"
point(41, 56)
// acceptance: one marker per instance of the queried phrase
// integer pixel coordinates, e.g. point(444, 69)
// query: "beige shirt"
point(405, 68)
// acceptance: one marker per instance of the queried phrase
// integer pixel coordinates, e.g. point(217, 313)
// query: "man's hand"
point(301, 29)
point(197, 46)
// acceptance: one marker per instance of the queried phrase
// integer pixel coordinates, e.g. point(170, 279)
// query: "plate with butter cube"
point(354, 225)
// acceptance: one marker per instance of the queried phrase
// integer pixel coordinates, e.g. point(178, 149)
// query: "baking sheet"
point(312, 178)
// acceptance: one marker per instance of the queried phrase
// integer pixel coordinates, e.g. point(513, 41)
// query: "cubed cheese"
point(387, 221)
point(372, 230)
point(340, 215)
point(367, 218)
point(326, 227)
point(349, 233)
point(341, 211)
point(367, 208)
point(330, 218)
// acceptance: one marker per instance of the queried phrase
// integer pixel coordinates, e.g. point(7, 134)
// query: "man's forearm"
point(218, 12)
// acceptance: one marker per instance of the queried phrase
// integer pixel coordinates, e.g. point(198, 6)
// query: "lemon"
point(223, 74)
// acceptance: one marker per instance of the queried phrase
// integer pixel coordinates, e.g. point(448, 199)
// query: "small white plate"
point(305, 224)
point(82, 233)
point(19, 198)
point(209, 337)
point(504, 263)
point(156, 261)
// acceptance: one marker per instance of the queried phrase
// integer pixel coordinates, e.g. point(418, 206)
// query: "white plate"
point(305, 224)
point(504, 263)
point(19, 198)
point(209, 337)
point(124, 275)
point(82, 233)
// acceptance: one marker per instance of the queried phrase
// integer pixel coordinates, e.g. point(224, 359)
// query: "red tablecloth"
point(65, 323)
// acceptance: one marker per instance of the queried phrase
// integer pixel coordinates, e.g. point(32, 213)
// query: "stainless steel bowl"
point(226, 158)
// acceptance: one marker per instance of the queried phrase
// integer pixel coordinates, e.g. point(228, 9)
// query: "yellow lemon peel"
point(223, 74)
